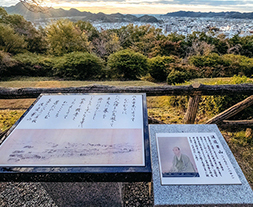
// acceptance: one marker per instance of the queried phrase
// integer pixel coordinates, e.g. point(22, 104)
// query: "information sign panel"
point(193, 158)
point(81, 130)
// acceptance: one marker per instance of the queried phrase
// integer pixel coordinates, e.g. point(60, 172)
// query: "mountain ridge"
point(20, 9)
point(231, 14)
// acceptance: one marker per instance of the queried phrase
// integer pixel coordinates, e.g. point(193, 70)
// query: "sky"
point(145, 6)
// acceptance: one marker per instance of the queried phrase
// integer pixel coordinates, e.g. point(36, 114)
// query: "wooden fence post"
point(193, 104)
point(191, 112)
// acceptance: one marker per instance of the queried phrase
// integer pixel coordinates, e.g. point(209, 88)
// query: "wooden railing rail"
point(195, 91)
point(190, 90)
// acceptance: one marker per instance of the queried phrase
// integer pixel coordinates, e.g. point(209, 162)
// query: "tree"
point(222, 44)
point(106, 44)
point(165, 47)
point(146, 37)
point(200, 48)
point(128, 64)
point(6, 64)
point(10, 41)
point(247, 46)
point(88, 28)
point(34, 38)
point(139, 38)
point(64, 37)
point(3, 14)
point(219, 44)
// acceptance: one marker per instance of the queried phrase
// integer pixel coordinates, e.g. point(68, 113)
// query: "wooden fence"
point(195, 91)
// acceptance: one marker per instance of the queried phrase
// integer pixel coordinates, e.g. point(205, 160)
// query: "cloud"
point(182, 2)
point(6, 3)
point(168, 2)
point(204, 2)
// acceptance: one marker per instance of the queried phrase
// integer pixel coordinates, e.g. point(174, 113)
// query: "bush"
point(213, 65)
point(210, 60)
point(181, 73)
point(128, 64)
point(7, 64)
point(238, 64)
point(160, 67)
point(35, 65)
point(217, 104)
point(79, 66)
point(176, 76)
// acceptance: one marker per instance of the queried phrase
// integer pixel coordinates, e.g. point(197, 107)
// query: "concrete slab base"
point(85, 194)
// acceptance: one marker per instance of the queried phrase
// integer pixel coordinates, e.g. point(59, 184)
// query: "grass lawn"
point(47, 82)
point(160, 108)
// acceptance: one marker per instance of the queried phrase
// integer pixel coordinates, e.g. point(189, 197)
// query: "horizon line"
point(80, 9)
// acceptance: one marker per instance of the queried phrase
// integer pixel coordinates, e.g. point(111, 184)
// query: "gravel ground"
point(24, 194)
point(34, 194)
point(138, 194)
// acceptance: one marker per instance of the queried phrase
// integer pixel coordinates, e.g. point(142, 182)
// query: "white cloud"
point(7, 3)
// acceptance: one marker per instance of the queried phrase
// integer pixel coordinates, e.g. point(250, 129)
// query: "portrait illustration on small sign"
point(176, 157)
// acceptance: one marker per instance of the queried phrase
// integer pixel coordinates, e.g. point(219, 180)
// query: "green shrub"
point(181, 73)
point(213, 65)
point(7, 64)
point(217, 104)
point(35, 65)
point(238, 64)
point(128, 64)
point(176, 76)
point(210, 60)
point(160, 67)
point(79, 66)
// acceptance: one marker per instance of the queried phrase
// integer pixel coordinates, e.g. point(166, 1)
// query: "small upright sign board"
point(193, 165)
point(193, 158)
point(79, 137)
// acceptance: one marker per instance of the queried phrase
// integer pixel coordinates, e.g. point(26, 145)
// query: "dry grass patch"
point(15, 103)
point(159, 107)
point(242, 149)
point(9, 117)
point(44, 82)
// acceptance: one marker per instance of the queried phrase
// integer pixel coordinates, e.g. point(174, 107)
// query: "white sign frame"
point(43, 119)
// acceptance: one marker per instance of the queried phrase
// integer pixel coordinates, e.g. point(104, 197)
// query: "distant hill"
point(19, 8)
point(234, 15)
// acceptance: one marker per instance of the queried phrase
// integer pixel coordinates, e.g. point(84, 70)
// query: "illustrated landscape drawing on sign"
point(78, 130)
